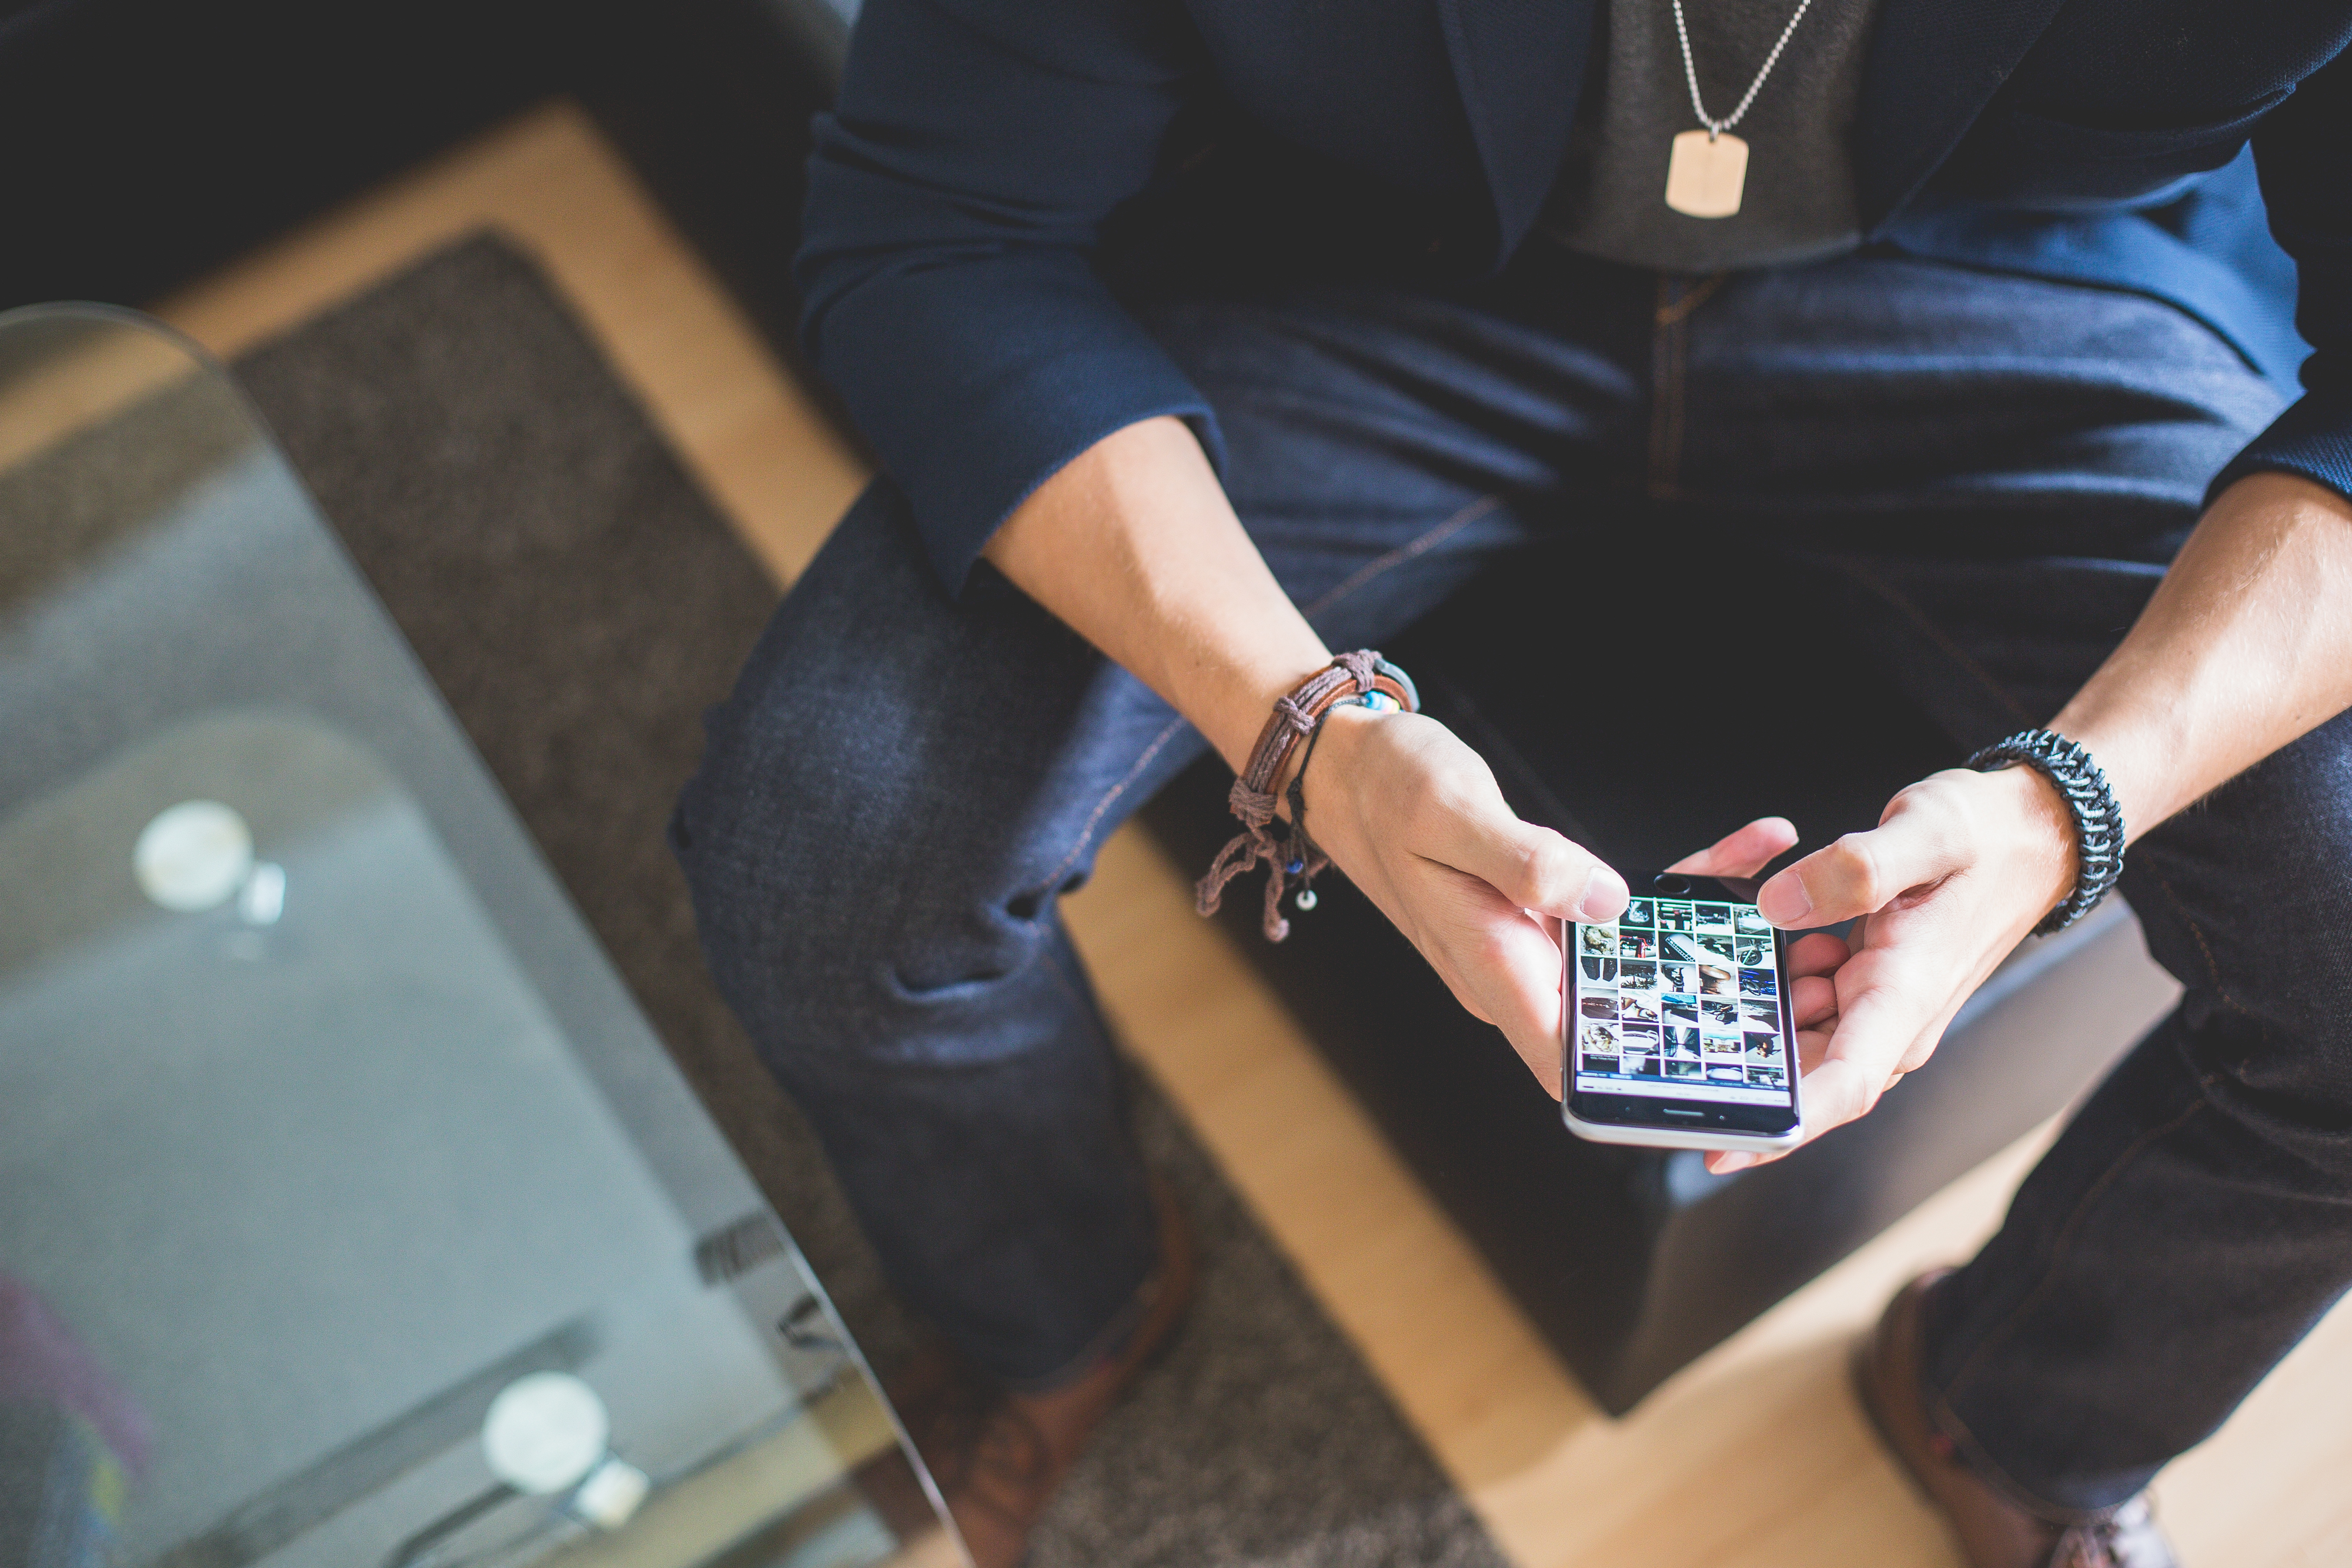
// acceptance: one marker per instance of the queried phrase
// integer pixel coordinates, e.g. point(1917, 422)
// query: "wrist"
point(2081, 786)
point(1335, 753)
point(1234, 707)
point(2041, 834)
point(1282, 750)
point(2137, 754)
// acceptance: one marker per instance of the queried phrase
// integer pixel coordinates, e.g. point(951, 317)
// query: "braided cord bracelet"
point(1297, 714)
point(1306, 859)
point(2082, 783)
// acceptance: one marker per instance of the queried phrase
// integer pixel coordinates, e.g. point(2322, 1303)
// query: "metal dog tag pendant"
point(1706, 174)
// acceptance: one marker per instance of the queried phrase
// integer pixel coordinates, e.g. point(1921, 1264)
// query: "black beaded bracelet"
point(2098, 822)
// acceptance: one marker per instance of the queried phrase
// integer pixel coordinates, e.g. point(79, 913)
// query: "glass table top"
point(349, 1211)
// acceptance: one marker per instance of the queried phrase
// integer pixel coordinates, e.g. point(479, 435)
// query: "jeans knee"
point(886, 805)
point(763, 860)
point(2242, 899)
point(842, 920)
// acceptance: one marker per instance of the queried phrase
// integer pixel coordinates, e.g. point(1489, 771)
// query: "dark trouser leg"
point(886, 809)
point(2195, 1219)
point(903, 784)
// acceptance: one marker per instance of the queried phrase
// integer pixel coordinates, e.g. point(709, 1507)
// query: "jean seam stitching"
point(1664, 391)
point(2212, 965)
point(1085, 830)
point(1419, 545)
point(1688, 304)
point(1669, 378)
point(1940, 1409)
point(1681, 427)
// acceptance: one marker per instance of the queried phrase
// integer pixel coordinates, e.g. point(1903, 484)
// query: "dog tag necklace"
point(1708, 170)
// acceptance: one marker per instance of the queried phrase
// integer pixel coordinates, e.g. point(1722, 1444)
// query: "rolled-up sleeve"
point(2301, 150)
point(956, 195)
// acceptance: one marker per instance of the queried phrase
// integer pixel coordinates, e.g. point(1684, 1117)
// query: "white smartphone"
point(1677, 1026)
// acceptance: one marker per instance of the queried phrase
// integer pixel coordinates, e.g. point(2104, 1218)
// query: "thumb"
point(1917, 844)
point(1532, 866)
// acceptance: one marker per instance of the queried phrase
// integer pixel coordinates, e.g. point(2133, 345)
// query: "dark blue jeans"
point(904, 782)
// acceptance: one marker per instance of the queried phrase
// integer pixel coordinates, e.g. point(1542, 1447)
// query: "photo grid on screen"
point(1680, 990)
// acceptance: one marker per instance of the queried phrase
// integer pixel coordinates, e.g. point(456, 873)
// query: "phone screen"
point(1679, 1015)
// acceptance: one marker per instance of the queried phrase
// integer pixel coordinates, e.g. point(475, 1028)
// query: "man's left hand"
point(1959, 868)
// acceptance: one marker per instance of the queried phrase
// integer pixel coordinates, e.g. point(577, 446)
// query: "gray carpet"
point(580, 603)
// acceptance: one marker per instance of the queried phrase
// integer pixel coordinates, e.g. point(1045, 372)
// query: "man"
point(1201, 338)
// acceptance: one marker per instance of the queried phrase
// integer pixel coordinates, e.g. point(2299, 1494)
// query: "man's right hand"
point(1415, 820)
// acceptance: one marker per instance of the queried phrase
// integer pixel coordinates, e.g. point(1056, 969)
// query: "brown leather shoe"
point(1993, 1532)
point(999, 1456)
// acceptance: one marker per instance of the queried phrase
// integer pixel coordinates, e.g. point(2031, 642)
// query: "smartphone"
point(1677, 1026)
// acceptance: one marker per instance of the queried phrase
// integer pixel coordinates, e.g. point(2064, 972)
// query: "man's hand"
point(1414, 818)
point(1961, 867)
point(2246, 644)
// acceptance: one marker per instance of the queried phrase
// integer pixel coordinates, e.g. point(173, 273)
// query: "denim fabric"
point(903, 783)
point(2195, 1220)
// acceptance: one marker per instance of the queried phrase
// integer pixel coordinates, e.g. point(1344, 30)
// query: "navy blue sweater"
point(960, 297)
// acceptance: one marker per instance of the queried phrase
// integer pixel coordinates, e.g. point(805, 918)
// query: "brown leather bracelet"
point(1350, 678)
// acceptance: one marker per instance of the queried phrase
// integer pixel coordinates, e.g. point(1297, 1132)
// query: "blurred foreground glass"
point(350, 1214)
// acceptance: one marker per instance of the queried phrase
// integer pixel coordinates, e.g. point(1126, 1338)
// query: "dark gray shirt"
point(1798, 203)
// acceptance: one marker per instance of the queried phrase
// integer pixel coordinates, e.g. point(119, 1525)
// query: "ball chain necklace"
point(1708, 170)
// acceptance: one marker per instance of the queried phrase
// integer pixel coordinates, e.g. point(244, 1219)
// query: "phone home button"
point(1671, 885)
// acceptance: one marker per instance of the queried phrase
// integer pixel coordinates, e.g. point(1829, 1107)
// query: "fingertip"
point(1783, 901)
point(1819, 952)
point(1835, 1092)
point(1725, 1162)
point(1818, 955)
point(1604, 897)
point(1812, 998)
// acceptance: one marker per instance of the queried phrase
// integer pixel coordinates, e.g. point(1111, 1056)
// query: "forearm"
point(1134, 546)
point(2246, 645)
